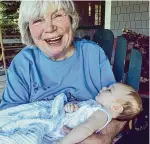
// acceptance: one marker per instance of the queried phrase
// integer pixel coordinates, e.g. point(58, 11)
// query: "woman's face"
point(53, 34)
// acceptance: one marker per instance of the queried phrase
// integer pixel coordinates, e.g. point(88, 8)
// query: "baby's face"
point(110, 95)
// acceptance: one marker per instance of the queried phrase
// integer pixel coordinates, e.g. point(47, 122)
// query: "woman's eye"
point(58, 16)
point(37, 21)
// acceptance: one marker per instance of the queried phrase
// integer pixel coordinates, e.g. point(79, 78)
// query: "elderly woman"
point(53, 62)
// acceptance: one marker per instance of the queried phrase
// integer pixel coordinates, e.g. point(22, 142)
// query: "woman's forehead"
point(39, 9)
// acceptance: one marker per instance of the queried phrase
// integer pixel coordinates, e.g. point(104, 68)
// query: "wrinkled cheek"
point(66, 26)
point(68, 31)
point(35, 32)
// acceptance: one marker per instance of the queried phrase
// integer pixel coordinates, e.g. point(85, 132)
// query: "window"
point(97, 15)
point(89, 9)
point(91, 13)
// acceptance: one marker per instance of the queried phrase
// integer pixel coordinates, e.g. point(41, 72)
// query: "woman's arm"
point(107, 135)
point(113, 128)
point(96, 121)
point(15, 92)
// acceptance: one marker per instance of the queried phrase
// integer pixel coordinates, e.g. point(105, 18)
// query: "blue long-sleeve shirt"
point(32, 76)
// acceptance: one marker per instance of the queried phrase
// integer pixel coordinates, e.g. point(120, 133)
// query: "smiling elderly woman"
point(53, 62)
point(51, 28)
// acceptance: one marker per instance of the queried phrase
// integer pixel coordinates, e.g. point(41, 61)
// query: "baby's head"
point(122, 100)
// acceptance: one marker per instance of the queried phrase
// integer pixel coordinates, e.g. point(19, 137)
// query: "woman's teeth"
point(53, 40)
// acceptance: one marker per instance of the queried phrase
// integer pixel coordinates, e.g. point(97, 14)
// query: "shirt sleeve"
point(15, 92)
point(106, 74)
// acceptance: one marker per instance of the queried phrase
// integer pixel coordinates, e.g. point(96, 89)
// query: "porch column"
point(107, 24)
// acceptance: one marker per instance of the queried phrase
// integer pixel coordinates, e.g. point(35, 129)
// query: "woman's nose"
point(49, 27)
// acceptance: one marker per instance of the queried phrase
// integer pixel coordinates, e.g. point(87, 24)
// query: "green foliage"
point(9, 16)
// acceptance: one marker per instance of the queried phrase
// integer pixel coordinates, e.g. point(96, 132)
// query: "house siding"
point(130, 14)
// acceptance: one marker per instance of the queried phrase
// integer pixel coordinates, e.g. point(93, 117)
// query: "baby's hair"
point(132, 106)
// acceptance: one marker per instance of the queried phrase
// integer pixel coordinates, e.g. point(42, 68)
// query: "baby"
point(42, 121)
point(120, 100)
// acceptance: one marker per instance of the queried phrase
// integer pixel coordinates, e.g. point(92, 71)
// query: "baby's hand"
point(70, 107)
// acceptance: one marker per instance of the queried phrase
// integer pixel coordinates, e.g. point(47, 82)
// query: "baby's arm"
point(96, 121)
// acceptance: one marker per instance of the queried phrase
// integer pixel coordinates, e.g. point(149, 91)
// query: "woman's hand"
point(97, 139)
point(93, 139)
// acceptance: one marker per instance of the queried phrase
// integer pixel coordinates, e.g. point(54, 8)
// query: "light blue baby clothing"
point(41, 122)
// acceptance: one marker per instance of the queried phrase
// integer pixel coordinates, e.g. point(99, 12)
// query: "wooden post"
point(3, 50)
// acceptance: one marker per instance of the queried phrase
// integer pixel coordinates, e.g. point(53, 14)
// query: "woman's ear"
point(116, 108)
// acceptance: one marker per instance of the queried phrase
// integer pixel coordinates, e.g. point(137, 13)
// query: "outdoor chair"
point(105, 39)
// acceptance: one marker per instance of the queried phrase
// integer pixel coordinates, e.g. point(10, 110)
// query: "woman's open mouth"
point(54, 41)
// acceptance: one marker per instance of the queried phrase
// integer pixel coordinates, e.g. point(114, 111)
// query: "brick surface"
point(123, 9)
point(139, 2)
point(120, 3)
point(129, 9)
point(120, 17)
point(114, 3)
point(125, 2)
point(128, 24)
point(116, 25)
point(144, 24)
point(138, 24)
point(147, 22)
point(119, 32)
point(146, 32)
point(146, 1)
point(145, 16)
point(113, 10)
point(114, 18)
point(132, 24)
point(112, 25)
point(132, 16)
point(133, 2)
point(126, 17)
point(138, 16)
point(117, 10)
point(122, 25)
point(136, 8)
point(143, 7)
